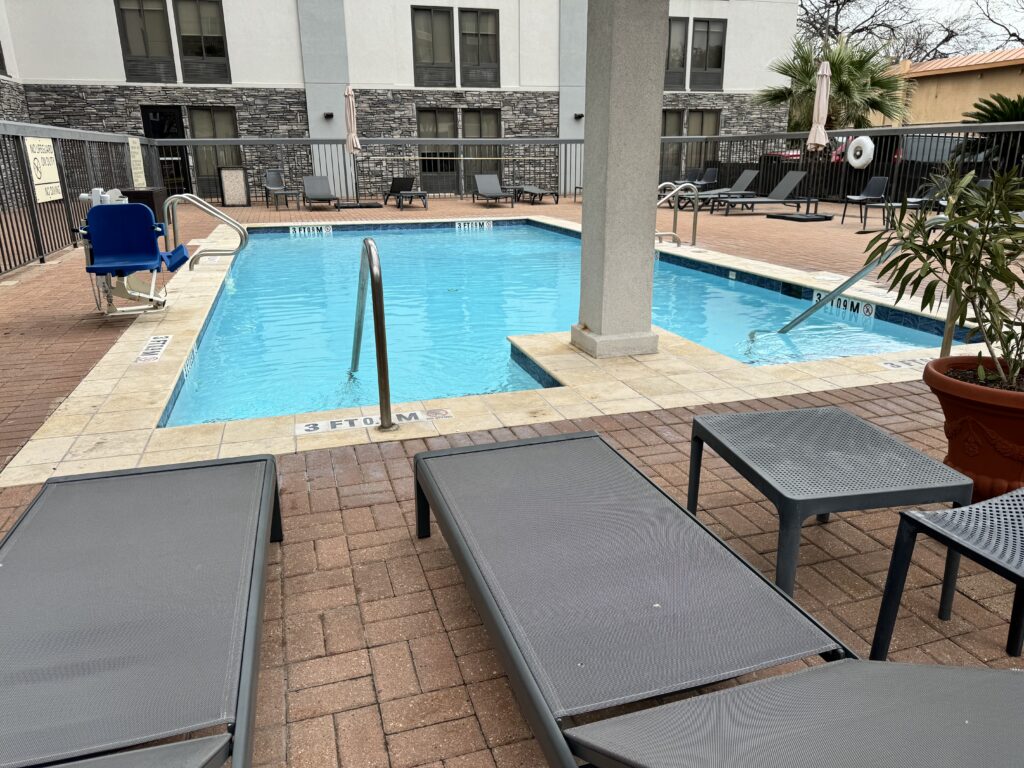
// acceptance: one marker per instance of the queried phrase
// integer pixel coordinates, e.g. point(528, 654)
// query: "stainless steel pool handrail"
point(933, 223)
point(171, 218)
point(673, 193)
point(369, 272)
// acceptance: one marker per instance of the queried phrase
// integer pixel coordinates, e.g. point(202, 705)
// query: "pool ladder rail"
point(669, 193)
point(369, 275)
point(171, 218)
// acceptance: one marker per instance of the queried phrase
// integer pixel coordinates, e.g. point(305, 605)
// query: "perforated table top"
point(123, 604)
point(813, 455)
point(611, 591)
point(847, 714)
point(993, 529)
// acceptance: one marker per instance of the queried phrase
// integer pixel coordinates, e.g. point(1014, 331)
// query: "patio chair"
point(120, 241)
point(709, 178)
point(317, 189)
point(740, 188)
point(780, 195)
point(132, 605)
point(537, 194)
point(399, 184)
point(273, 181)
point(929, 198)
point(597, 591)
point(873, 192)
point(488, 188)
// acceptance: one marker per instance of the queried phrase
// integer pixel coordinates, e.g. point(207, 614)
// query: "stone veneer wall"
point(740, 115)
point(12, 101)
point(392, 113)
point(260, 112)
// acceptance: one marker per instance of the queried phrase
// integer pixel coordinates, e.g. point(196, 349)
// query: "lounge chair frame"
point(546, 727)
point(492, 196)
point(207, 750)
point(309, 200)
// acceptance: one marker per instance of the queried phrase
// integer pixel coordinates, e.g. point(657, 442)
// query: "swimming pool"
point(278, 340)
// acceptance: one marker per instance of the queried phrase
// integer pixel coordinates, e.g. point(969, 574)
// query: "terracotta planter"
point(984, 427)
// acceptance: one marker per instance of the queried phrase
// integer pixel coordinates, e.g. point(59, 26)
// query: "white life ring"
point(861, 152)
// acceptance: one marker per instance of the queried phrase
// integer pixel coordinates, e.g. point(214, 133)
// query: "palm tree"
point(863, 82)
point(997, 108)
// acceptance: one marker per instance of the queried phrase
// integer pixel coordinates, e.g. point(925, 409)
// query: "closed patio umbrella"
point(352, 137)
point(817, 139)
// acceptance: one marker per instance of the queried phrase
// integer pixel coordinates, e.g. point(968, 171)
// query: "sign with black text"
point(42, 166)
point(361, 422)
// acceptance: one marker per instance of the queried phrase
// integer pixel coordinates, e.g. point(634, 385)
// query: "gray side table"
point(815, 461)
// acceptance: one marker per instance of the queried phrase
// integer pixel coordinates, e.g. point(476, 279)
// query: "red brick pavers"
point(51, 335)
point(373, 656)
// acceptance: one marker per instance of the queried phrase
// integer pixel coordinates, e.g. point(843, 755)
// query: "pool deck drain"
point(110, 420)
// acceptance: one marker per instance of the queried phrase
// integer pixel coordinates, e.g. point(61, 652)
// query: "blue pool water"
point(279, 338)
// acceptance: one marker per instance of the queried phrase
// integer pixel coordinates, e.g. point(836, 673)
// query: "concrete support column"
point(626, 44)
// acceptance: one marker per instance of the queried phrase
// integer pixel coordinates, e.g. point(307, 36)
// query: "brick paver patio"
point(373, 655)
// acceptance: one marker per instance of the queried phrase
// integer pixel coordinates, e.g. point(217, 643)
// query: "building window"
point(478, 36)
point(433, 48)
point(671, 153)
point(439, 164)
point(145, 41)
point(702, 122)
point(213, 123)
point(675, 59)
point(481, 158)
point(204, 48)
point(707, 59)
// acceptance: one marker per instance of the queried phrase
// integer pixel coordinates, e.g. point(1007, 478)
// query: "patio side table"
point(815, 461)
point(287, 194)
point(401, 198)
point(991, 533)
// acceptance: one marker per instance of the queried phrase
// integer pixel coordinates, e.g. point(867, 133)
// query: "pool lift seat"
point(122, 241)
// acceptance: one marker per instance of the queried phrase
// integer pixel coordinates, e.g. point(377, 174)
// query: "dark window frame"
point(228, 155)
point(433, 75)
point(707, 78)
point(675, 78)
point(470, 72)
point(138, 69)
point(3, 63)
point(702, 154)
point(670, 163)
point(191, 65)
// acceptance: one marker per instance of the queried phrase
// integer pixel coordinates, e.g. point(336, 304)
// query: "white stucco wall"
point(10, 59)
point(66, 41)
point(379, 36)
point(263, 42)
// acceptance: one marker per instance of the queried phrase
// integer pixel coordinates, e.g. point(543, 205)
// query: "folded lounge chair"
point(122, 240)
point(598, 590)
point(317, 189)
point(132, 609)
point(780, 195)
point(536, 194)
point(488, 188)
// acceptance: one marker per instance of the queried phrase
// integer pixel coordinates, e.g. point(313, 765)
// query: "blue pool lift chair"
point(121, 241)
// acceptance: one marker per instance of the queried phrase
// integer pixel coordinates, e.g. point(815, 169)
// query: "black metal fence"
point(30, 230)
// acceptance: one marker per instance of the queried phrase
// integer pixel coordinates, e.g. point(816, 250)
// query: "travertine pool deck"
point(110, 420)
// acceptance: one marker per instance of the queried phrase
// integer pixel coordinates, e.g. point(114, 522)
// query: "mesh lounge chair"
point(273, 181)
point(598, 590)
point(399, 184)
point(132, 605)
point(536, 194)
point(709, 178)
point(317, 189)
point(488, 188)
point(780, 195)
point(122, 240)
point(740, 188)
point(873, 192)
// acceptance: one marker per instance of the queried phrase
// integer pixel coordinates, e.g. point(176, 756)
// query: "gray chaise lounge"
point(317, 189)
point(781, 194)
point(132, 608)
point(598, 590)
point(488, 189)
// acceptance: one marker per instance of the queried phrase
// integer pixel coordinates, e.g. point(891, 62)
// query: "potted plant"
point(971, 256)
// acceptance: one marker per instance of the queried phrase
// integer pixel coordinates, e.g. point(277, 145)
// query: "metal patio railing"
point(30, 230)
